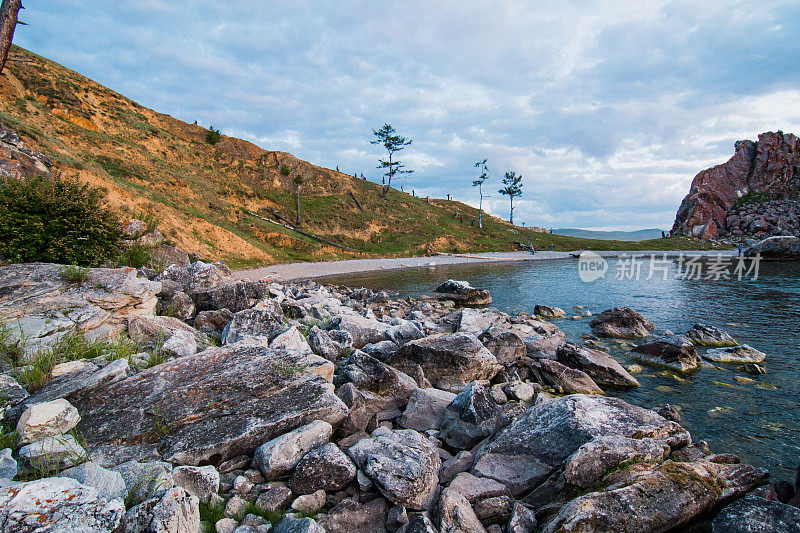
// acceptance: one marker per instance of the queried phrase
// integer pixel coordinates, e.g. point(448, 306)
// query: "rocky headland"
point(755, 194)
point(182, 400)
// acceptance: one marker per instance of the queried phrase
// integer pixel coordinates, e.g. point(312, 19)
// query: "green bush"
point(136, 256)
point(213, 136)
point(56, 222)
point(285, 170)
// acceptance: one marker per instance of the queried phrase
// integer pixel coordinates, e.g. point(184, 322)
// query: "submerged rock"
point(705, 335)
point(621, 322)
point(675, 353)
point(462, 293)
point(545, 311)
point(735, 354)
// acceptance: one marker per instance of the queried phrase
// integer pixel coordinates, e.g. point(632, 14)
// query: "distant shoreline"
point(327, 269)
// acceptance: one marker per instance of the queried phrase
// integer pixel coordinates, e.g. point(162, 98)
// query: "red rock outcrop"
point(765, 170)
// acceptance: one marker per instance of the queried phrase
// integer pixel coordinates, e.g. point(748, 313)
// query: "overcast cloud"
point(607, 109)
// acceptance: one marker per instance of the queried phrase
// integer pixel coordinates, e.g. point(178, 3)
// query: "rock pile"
point(340, 410)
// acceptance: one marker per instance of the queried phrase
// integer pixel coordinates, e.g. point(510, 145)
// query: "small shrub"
point(136, 256)
point(213, 136)
point(152, 221)
point(285, 170)
point(8, 438)
point(75, 274)
point(11, 347)
point(56, 222)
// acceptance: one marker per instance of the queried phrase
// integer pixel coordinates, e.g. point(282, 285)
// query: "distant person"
point(552, 247)
point(462, 219)
point(740, 248)
point(401, 188)
point(663, 235)
point(337, 168)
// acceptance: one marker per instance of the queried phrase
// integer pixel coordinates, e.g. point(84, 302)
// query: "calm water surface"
point(759, 420)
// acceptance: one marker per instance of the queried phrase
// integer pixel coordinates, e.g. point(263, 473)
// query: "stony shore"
point(257, 406)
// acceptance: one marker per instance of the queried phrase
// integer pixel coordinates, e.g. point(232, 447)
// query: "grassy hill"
point(638, 235)
point(221, 201)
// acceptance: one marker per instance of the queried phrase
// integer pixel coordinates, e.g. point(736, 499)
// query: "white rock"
point(181, 343)
point(309, 503)
point(173, 511)
point(46, 420)
point(61, 503)
point(291, 340)
point(8, 466)
point(200, 481)
point(226, 525)
point(109, 484)
point(281, 454)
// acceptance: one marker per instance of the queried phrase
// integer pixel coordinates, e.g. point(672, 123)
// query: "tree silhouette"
point(298, 181)
point(478, 182)
point(388, 138)
point(513, 188)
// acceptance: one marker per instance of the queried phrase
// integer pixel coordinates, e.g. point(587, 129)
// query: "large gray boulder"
point(621, 322)
point(259, 322)
point(564, 379)
point(781, 247)
point(369, 374)
point(363, 330)
point(200, 481)
point(8, 465)
point(660, 498)
point(153, 331)
point(426, 409)
point(459, 355)
point(741, 354)
point(53, 453)
point(37, 301)
point(46, 419)
point(505, 345)
point(601, 367)
point(215, 405)
point(456, 514)
point(326, 467)
point(403, 465)
point(11, 392)
point(171, 510)
point(231, 296)
point(472, 416)
point(63, 504)
point(757, 515)
point(349, 516)
point(602, 454)
point(196, 277)
point(280, 455)
point(675, 353)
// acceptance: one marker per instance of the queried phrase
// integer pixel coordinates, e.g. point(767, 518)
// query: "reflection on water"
point(756, 419)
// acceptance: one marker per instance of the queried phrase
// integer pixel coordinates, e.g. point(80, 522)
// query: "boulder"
point(550, 432)
point(605, 453)
point(362, 330)
point(215, 405)
point(291, 340)
point(349, 516)
point(518, 472)
point(475, 488)
point(181, 306)
point(419, 524)
point(232, 296)
point(462, 293)
point(564, 379)
point(548, 312)
point(266, 322)
point(200, 481)
point(196, 277)
point(325, 467)
point(321, 344)
point(675, 353)
point(212, 322)
point(523, 520)
point(453, 466)
point(601, 367)
point(494, 510)
point(472, 416)
point(369, 374)
point(109, 484)
point(74, 386)
point(380, 350)
point(280, 455)
point(180, 344)
point(506, 346)
point(735, 354)
point(46, 420)
point(309, 503)
point(658, 498)
point(404, 332)
point(705, 335)
point(298, 525)
point(757, 515)
point(53, 453)
point(154, 331)
point(779, 247)
point(40, 304)
point(402, 464)
point(274, 499)
point(426, 409)
point(458, 355)
point(142, 480)
point(456, 514)
point(172, 510)
point(63, 504)
point(621, 322)
point(11, 392)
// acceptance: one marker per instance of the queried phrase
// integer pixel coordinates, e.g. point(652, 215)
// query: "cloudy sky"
point(607, 108)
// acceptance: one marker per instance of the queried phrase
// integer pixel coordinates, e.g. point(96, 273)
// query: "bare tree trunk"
point(298, 205)
point(8, 22)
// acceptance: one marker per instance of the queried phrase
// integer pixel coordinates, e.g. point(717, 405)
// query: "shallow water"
point(757, 420)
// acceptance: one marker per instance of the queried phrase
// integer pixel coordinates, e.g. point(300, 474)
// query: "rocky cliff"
point(755, 193)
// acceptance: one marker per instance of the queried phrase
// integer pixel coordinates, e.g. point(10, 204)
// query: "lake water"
point(758, 420)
